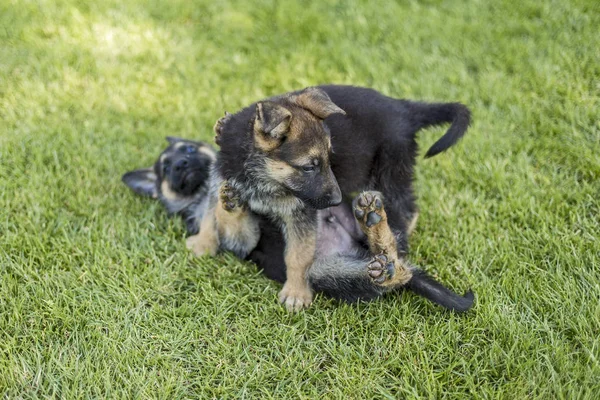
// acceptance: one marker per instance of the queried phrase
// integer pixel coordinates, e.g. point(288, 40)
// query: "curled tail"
point(440, 113)
point(424, 285)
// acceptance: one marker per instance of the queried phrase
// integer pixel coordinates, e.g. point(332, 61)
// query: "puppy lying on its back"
point(353, 260)
point(179, 179)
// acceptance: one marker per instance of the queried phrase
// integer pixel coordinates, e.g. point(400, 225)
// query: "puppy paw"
point(381, 269)
point(200, 246)
point(368, 209)
point(218, 128)
point(229, 197)
point(295, 298)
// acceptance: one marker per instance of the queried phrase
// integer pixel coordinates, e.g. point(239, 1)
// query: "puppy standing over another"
point(277, 159)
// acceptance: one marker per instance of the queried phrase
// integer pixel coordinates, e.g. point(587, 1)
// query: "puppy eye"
point(308, 168)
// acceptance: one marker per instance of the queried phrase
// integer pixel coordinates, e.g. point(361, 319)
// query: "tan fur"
point(278, 170)
point(413, 223)
point(271, 125)
point(209, 152)
point(167, 192)
point(263, 143)
point(309, 156)
point(317, 102)
point(300, 122)
point(234, 223)
point(207, 241)
point(299, 256)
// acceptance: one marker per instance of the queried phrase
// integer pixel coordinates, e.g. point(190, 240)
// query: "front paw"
point(201, 247)
point(218, 128)
point(295, 297)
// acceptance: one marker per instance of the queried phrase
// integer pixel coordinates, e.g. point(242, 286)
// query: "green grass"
point(99, 298)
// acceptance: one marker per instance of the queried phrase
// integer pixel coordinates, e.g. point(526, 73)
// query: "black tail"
point(440, 113)
point(424, 285)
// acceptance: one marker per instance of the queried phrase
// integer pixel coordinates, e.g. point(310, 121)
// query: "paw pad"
point(380, 269)
point(229, 197)
point(368, 208)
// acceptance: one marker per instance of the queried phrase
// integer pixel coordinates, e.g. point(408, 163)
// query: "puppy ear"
point(174, 139)
point(317, 102)
point(142, 181)
point(272, 120)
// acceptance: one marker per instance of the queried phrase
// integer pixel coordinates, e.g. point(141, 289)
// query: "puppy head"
point(180, 171)
point(289, 132)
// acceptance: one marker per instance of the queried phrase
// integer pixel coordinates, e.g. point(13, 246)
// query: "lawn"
point(99, 298)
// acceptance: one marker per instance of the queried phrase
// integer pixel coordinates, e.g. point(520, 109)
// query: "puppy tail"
point(440, 113)
point(424, 285)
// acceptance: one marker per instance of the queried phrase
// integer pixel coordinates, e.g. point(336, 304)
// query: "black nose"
point(334, 198)
point(180, 164)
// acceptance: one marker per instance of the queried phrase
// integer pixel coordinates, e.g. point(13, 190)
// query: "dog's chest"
point(280, 207)
point(268, 200)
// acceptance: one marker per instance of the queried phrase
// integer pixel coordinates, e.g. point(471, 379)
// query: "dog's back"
point(384, 119)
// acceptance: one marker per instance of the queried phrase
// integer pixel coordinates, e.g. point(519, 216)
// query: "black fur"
point(424, 285)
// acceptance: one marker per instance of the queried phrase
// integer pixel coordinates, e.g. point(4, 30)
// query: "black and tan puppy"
point(282, 158)
point(355, 259)
point(180, 179)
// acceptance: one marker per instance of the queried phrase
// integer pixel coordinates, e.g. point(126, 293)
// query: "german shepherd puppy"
point(179, 179)
point(355, 260)
point(289, 156)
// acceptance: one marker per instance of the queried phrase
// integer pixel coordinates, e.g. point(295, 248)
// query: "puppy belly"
point(338, 233)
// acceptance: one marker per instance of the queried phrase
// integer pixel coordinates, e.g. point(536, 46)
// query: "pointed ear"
point(173, 139)
point(317, 102)
point(142, 181)
point(272, 122)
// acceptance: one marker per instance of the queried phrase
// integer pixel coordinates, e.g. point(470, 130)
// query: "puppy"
point(179, 179)
point(355, 258)
point(282, 159)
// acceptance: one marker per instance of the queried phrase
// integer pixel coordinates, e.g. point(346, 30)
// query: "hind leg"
point(385, 268)
point(393, 175)
point(345, 277)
